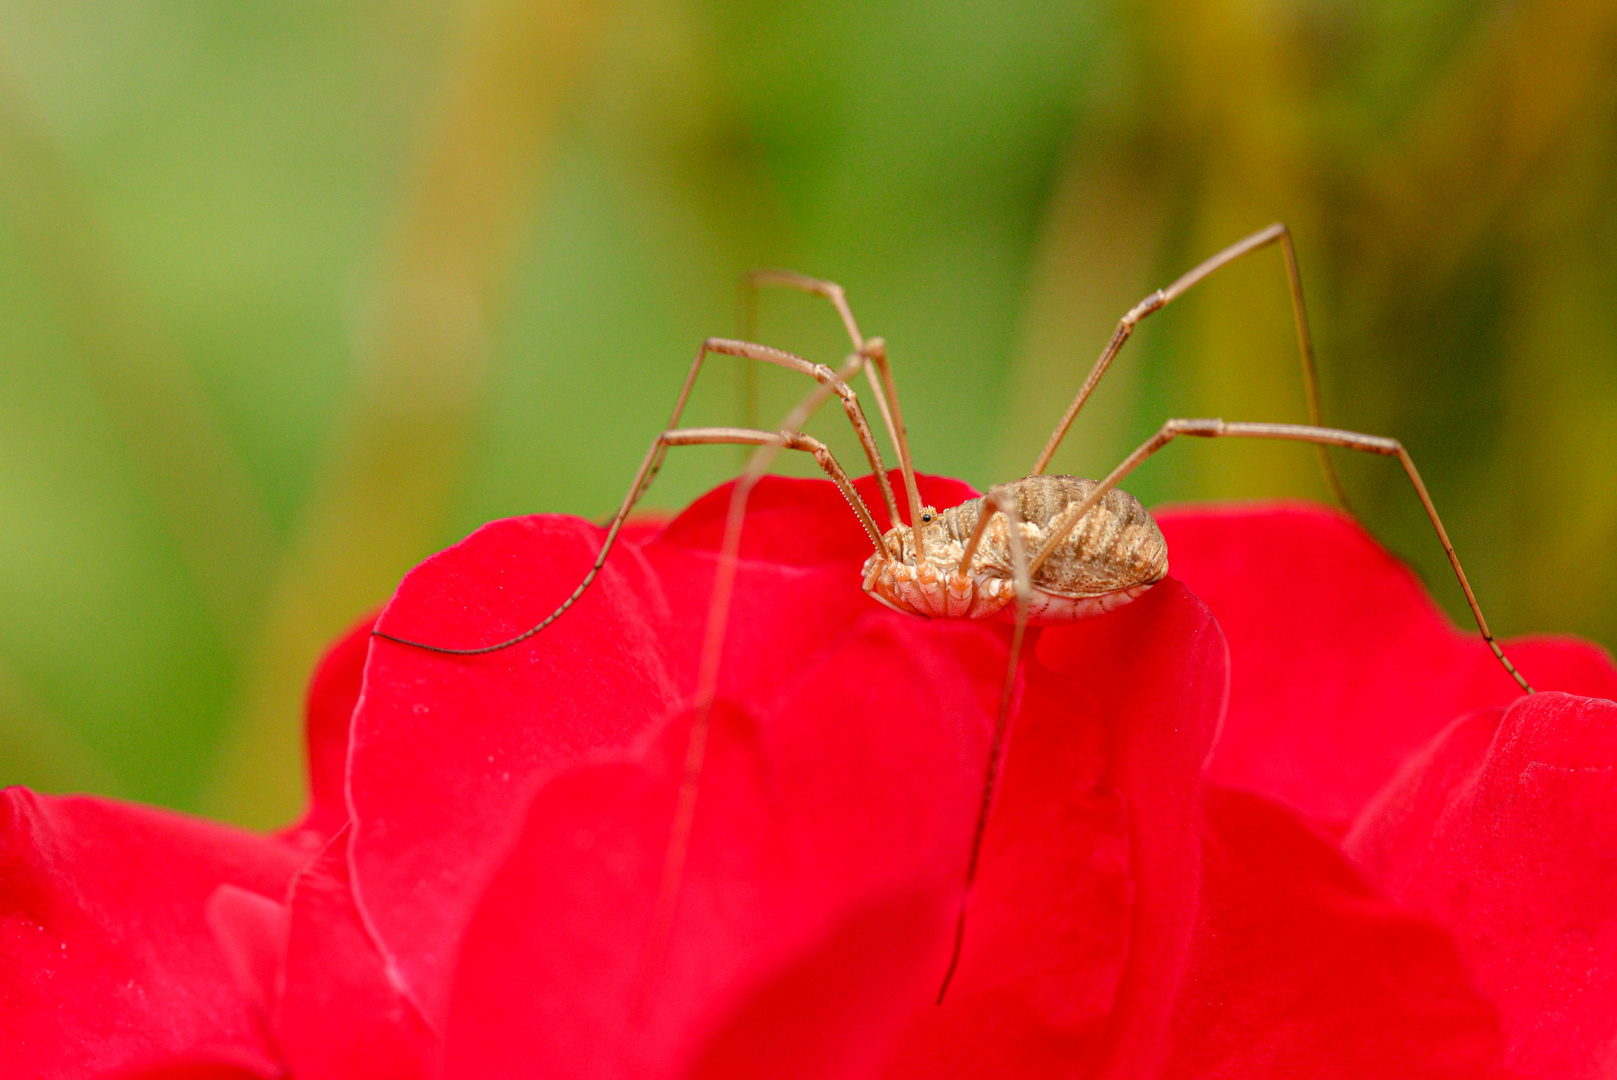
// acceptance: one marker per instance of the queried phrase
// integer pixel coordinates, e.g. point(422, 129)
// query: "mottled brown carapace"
point(1112, 556)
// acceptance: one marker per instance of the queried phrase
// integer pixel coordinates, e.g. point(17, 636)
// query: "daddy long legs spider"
point(1038, 550)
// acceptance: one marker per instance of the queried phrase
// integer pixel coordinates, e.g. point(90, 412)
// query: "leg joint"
point(796, 440)
point(1155, 302)
point(830, 378)
point(1201, 428)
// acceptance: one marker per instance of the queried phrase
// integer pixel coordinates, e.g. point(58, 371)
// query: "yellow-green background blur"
point(294, 292)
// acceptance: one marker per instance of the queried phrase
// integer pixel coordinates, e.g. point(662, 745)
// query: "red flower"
point(1159, 895)
point(106, 958)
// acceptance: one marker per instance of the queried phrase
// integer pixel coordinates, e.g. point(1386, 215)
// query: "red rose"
point(106, 957)
point(1162, 889)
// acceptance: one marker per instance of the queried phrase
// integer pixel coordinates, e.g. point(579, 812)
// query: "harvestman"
point(1051, 549)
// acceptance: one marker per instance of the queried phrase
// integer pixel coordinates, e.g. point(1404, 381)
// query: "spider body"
point(1113, 556)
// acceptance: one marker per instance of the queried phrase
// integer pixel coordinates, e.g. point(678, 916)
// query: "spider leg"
point(874, 362)
point(1276, 233)
point(998, 500)
point(836, 380)
point(1067, 520)
point(831, 382)
point(754, 280)
point(648, 467)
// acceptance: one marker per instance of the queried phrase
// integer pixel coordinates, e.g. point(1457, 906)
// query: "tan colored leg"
point(836, 380)
point(874, 353)
point(1163, 297)
point(791, 279)
point(1064, 522)
point(998, 500)
point(830, 290)
point(682, 437)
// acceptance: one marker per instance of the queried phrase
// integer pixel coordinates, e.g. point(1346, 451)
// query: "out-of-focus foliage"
point(292, 294)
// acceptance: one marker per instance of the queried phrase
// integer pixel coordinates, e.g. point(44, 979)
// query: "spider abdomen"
point(1114, 554)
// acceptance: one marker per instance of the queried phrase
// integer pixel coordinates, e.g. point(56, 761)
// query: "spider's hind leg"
point(1064, 522)
point(999, 500)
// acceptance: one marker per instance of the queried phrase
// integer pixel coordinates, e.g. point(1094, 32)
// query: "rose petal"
point(105, 957)
point(481, 734)
point(338, 1016)
point(846, 801)
point(832, 1014)
point(208, 1067)
point(1504, 830)
point(333, 695)
point(1299, 970)
point(1341, 665)
point(1128, 699)
point(1160, 669)
point(446, 750)
point(251, 932)
point(802, 550)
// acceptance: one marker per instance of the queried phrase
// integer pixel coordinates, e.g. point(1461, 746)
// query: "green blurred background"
point(293, 293)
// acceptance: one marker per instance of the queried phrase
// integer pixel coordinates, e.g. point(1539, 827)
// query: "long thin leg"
point(876, 350)
point(1067, 520)
point(830, 290)
point(824, 375)
point(830, 382)
point(998, 500)
point(876, 367)
point(648, 466)
point(1163, 297)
